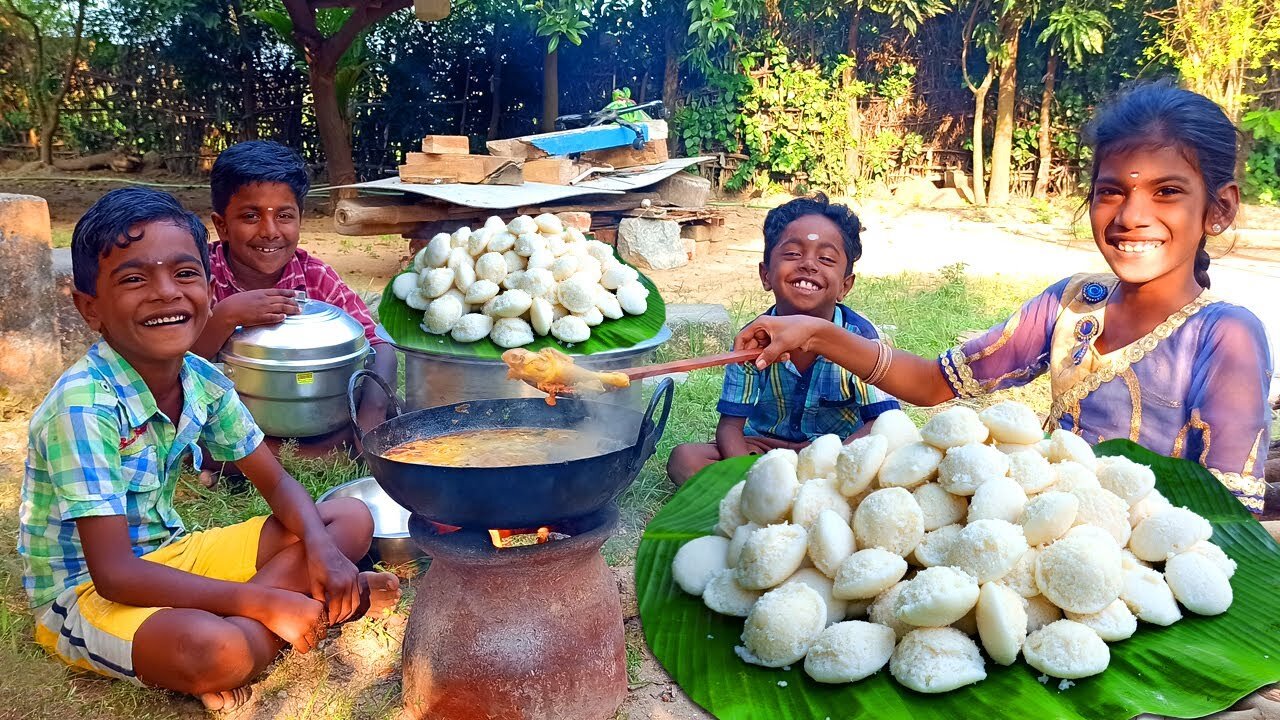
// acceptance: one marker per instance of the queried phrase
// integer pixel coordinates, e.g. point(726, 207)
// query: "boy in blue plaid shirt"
point(810, 246)
point(116, 583)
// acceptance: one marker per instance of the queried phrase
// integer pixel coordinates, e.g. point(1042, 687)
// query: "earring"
point(1217, 228)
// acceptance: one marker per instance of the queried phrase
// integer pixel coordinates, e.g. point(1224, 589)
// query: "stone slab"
point(28, 346)
point(651, 244)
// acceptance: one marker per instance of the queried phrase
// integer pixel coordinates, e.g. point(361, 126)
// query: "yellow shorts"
point(85, 630)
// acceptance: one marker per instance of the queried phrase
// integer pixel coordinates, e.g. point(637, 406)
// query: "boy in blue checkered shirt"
point(810, 246)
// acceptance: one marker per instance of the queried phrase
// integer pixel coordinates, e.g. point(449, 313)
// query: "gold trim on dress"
point(1135, 399)
point(1199, 424)
point(960, 374)
point(1253, 453)
point(1009, 326)
point(1130, 355)
point(1250, 489)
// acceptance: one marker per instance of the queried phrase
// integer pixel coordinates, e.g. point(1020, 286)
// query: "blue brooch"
point(1093, 292)
point(1087, 328)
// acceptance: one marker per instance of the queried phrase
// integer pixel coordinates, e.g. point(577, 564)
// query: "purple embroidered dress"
point(1194, 387)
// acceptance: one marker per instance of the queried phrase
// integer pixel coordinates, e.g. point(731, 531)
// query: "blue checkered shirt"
point(99, 446)
point(782, 402)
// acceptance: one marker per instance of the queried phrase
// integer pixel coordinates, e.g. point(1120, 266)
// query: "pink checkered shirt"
point(303, 272)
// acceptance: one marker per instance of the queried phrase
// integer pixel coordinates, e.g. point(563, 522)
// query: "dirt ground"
point(1019, 240)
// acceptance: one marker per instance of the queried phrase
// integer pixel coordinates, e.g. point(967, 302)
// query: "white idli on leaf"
point(954, 427)
point(1012, 422)
point(1149, 597)
point(564, 267)
point(968, 466)
point(442, 314)
point(472, 327)
point(541, 316)
point(549, 224)
point(770, 490)
point(782, 625)
point(493, 223)
point(997, 499)
point(1012, 448)
point(522, 224)
point(1216, 555)
point(910, 466)
point(935, 547)
point(1080, 574)
point(511, 332)
point(858, 463)
point(1168, 532)
point(724, 595)
point(770, 555)
point(460, 237)
point(1070, 475)
point(882, 611)
point(818, 459)
point(868, 573)
point(529, 243)
point(512, 304)
point(436, 253)
point(937, 660)
point(633, 297)
point(608, 305)
point(405, 283)
point(1065, 445)
point(1048, 516)
point(988, 549)
point(481, 292)
point(436, 281)
point(501, 243)
point(1104, 509)
point(417, 299)
point(697, 560)
point(515, 264)
point(817, 496)
point(1146, 507)
point(1002, 622)
point(616, 275)
point(478, 242)
point(849, 651)
point(896, 427)
point(1066, 649)
point(571, 329)
point(1113, 623)
point(831, 541)
point(490, 266)
point(938, 506)
point(731, 516)
point(592, 317)
point(1031, 471)
point(539, 282)
point(737, 540)
point(1198, 583)
point(576, 295)
point(821, 584)
point(889, 519)
point(936, 596)
point(1128, 480)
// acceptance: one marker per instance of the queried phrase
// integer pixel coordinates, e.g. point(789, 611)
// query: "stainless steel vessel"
point(433, 380)
point(293, 375)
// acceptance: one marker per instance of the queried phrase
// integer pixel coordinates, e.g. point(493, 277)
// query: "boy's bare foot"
point(227, 699)
point(384, 591)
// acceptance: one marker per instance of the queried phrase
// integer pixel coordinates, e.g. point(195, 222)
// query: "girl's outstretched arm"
point(912, 378)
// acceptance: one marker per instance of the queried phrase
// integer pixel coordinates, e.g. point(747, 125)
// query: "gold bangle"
point(884, 358)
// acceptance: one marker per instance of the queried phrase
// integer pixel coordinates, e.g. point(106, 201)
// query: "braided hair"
point(1160, 114)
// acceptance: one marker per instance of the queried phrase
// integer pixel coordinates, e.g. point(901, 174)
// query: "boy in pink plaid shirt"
point(256, 267)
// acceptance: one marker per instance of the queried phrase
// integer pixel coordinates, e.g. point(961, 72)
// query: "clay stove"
point(531, 632)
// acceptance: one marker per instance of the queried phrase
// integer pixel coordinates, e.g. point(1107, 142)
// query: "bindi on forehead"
point(812, 236)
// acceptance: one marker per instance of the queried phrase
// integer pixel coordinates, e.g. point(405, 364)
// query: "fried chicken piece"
point(554, 373)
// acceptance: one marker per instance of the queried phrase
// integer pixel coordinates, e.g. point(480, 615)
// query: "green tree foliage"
point(1262, 165)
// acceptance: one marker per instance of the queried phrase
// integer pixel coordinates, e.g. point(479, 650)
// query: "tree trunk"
point(550, 90)
point(1046, 149)
point(334, 134)
point(495, 87)
point(853, 115)
point(53, 111)
point(979, 115)
point(47, 130)
point(1006, 101)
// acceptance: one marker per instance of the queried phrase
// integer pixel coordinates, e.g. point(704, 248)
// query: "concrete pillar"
point(29, 354)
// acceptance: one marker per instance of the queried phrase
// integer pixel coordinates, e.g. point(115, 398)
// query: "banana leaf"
point(404, 325)
point(1197, 666)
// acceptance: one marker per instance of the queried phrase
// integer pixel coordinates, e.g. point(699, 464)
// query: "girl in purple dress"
point(1145, 352)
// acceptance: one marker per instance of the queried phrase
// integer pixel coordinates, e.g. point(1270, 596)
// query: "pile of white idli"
point(932, 550)
point(512, 282)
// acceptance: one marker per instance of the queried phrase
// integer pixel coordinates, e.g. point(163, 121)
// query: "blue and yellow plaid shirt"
point(98, 446)
point(782, 402)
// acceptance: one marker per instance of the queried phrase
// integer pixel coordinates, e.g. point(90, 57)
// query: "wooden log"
point(355, 211)
point(625, 157)
point(514, 148)
point(446, 144)
point(116, 160)
point(438, 168)
point(554, 171)
point(611, 203)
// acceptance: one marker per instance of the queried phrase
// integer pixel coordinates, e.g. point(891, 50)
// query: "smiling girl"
point(1144, 352)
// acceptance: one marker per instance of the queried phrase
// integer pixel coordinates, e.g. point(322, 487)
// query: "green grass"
point(61, 238)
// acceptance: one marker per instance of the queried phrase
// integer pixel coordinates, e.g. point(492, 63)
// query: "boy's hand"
point(333, 580)
point(296, 619)
point(258, 307)
point(779, 336)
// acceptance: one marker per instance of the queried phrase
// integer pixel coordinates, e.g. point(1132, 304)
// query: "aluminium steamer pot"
point(292, 376)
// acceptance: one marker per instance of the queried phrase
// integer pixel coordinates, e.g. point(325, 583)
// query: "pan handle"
point(665, 392)
point(354, 383)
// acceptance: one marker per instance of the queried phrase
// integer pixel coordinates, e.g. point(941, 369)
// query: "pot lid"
point(321, 335)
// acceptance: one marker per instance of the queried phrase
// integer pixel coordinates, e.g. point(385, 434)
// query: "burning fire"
point(517, 538)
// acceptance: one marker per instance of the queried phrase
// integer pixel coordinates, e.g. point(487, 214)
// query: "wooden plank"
point(630, 201)
point(624, 157)
point(436, 168)
point(555, 171)
point(446, 144)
